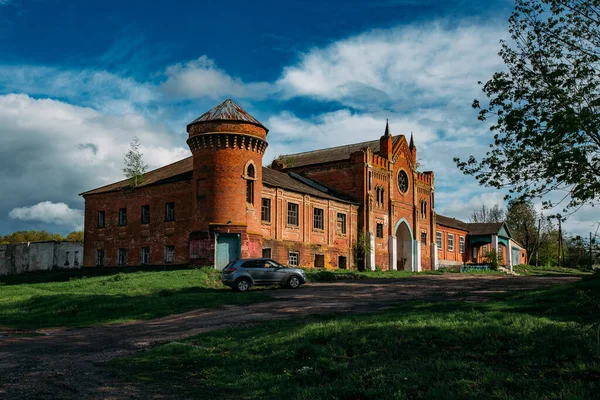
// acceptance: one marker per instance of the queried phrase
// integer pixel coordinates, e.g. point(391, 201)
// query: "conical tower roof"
point(228, 110)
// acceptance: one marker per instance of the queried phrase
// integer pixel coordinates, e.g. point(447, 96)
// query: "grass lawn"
point(541, 344)
point(82, 298)
point(543, 270)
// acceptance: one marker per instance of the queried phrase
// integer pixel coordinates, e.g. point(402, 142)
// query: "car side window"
point(249, 264)
point(271, 264)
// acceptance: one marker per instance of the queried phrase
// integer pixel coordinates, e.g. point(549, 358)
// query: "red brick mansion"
point(306, 209)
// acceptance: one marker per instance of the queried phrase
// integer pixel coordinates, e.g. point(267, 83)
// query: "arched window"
point(382, 198)
point(250, 175)
point(423, 209)
point(377, 195)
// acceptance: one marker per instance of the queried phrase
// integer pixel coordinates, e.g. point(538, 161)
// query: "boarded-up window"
point(319, 261)
point(342, 262)
point(266, 253)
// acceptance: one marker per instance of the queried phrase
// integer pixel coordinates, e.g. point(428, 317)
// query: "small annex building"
point(306, 209)
point(475, 241)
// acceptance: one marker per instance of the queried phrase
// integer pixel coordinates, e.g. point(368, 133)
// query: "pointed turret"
point(386, 142)
point(412, 142)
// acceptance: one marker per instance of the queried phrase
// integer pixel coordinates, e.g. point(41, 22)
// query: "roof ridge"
point(329, 148)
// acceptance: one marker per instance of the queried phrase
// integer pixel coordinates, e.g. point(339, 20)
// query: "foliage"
point(135, 167)
point(493, 258)
point(341, 275)
point(81, 298)
point(533, 345)
point(30, 236)
point(362, 249)
point(522, 220)
point(546, 105)
point(76, 236)
point(523, 269)
point(485, 214)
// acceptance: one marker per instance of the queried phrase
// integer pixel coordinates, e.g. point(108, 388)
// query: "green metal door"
point(228, 249)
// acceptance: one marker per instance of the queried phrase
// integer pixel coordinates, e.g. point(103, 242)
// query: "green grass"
point(82, 298)
point(540, 344)
point(548, 270)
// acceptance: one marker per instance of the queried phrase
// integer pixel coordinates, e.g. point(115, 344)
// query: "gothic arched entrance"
point(404, 246)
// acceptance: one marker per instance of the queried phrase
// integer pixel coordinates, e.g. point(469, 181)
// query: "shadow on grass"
point(501, 349)
point(81, 309)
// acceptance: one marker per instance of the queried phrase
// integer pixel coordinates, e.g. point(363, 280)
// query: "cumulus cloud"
point(51, 213)
point(202, 78)
point(52, 150)
point(102, 90)
point(417, 65)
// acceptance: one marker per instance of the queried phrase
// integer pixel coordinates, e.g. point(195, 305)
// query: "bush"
point(323, 276)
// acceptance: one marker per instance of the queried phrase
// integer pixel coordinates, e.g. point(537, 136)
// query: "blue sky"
point(79, 79)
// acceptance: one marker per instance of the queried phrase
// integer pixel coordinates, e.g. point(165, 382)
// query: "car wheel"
point(294, 282)
point(242, 285)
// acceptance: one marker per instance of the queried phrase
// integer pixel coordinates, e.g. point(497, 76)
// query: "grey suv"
point(241, 274)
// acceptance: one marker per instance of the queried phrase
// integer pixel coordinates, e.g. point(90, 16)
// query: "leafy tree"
point(30, 236)
point(76, 236)
point(522, 220)
point(362, 249)
point(134, 163)
point(546, 105)
point(485, 214)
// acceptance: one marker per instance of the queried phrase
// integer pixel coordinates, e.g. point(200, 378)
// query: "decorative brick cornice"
point(228, 141)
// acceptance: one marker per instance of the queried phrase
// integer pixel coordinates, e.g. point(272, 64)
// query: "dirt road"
point(68, 364)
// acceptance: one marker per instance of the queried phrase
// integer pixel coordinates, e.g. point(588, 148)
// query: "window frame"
point(344, 220)
point(318, 220)
point(296, 255)
point(379, 230)
point(121, 256)
point(172, 253)
point(450, 242)
point(293, 216)
point(145, 213)
point(101, 219)
point(439, 239)
point(99, 258)
point(143, 253)
point(123, 216)
point(265, 209)
point(423, 238)
point(170, 216)
point(400, 172)
point(461, 244)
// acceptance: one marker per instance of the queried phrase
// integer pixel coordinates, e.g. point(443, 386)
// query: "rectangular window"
point(101, 219)
point(145, 214)
point(145, 256)
point(461, 245)
point(169, 254)
point(292, 218)
point(265, 213)
point(379, 230)
point(424, 238)
point(170, 212)
point(250, 191)
point(342, 262)
point(341, 223)
point(319, 261)
point(76, 259)
point(450, 242)
point(122, 216)
point(266, 253)
point(122, 257)
point(318, 218)
point(475, 251)
point(438, 240)
point(293, 258)
point(100, 258)
point(67, 258)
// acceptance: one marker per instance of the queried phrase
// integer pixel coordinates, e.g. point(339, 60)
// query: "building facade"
point(306, 209)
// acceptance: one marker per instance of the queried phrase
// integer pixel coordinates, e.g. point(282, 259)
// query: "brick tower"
point(228, 145)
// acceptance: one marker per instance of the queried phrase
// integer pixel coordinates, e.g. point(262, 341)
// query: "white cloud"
point(202, 78)
point(103, 90)
point(52, 150)
point(409, 66)
point(50, 213)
